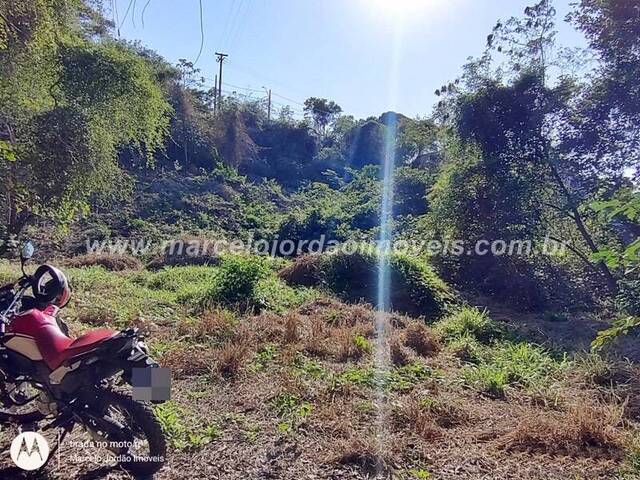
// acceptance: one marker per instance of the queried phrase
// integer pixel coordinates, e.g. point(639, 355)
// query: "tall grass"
point(470, 321)
point(517, 365)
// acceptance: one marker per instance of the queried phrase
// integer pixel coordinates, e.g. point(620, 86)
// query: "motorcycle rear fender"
point(120, 353)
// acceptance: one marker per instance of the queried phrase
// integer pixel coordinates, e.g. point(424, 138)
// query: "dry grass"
point(400, 355)
point(212, 325)
point(292, 326)
point(185, 362)
point(317, 347)
point(447, 414)
point(267, 327)
point(230, 358)
point(412, 415)
point(421, 339)
point(350, 343)
point(436, 426)
point(584, 426)
point(338, 314)
point(428, 416)
point(373, 458)
point(111, 262)
point(96, 316)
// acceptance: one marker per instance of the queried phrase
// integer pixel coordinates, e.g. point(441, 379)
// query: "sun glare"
point(399, 8)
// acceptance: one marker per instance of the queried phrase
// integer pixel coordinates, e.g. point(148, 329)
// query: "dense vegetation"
point(531, 142)
point(102, 139)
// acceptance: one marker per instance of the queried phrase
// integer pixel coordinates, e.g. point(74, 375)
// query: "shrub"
point(400, 355)
point(415, 288)
point(470, 321)
point(305, 271)
point(310, 226)
point(350, 345)
point(410, 191)
point(236, 282)
point(273, 294)
point(111, 262)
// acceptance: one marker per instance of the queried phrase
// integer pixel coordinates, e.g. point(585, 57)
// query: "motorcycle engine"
point(45, 405)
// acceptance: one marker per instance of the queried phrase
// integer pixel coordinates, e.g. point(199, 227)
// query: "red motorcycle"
point(51, 381)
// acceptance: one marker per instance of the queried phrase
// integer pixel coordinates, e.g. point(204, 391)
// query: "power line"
point(240, 25)
point(256, 74)
point(250, 89)
point(143, 10)
point(236, 23)
point(231, 23)
point(201, 34)
point(126, 14)
point(226, 24)
point(289, 99)
point(243, 88)
point(297, 112)
point(133, 14)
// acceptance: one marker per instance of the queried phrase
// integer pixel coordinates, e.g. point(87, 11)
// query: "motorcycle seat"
point(54, 346)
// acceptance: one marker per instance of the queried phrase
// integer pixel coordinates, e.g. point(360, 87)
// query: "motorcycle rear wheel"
point(141, 424)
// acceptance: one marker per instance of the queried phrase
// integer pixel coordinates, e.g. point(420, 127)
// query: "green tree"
point(322, 112)
point(627, 206)
point(526, 125)
point(365, 144)
point(418, 141)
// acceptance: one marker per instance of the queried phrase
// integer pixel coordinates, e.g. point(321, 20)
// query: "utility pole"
point(215, 95)
point(220, 60)
point(268, 103)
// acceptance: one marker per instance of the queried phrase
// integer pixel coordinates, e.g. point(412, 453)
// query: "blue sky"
point(369, 56)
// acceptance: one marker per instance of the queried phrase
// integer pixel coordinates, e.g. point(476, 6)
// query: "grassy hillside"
point(283, 384)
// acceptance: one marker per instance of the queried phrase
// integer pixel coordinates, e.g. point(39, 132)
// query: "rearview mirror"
point(27, 251)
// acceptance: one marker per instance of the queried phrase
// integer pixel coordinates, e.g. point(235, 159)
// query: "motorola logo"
point(29, 450)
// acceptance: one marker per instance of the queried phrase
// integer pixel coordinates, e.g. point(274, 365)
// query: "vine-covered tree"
point(69, 103)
